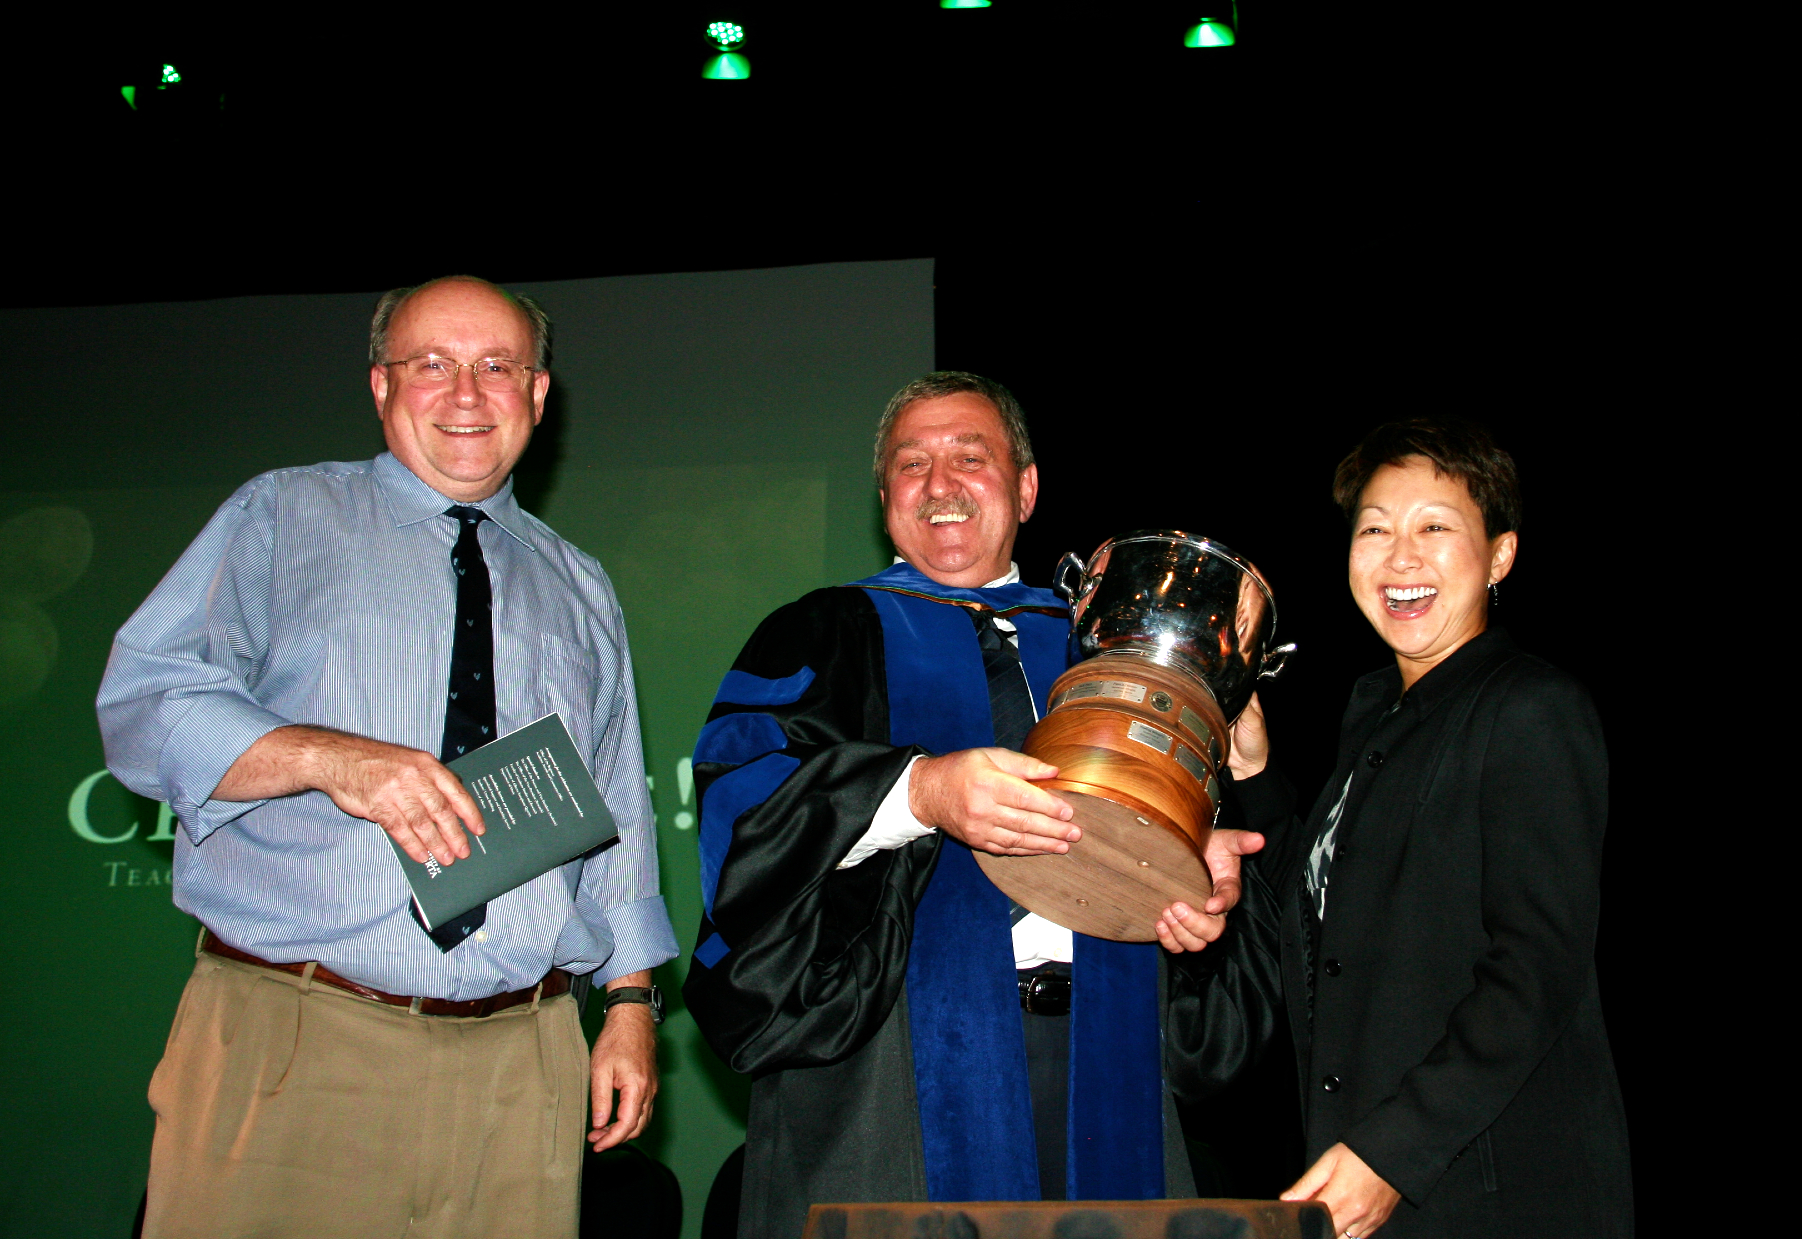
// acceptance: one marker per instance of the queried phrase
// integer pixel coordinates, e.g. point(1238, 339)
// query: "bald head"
point(381, 327)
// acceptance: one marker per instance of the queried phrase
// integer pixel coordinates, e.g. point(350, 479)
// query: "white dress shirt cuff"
point(893, 826)
point(201, 748)
point(642, 939)
point(1039, 941)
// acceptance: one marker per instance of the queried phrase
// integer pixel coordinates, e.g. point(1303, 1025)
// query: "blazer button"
point(1374, 758)
point(1330, 1084)
point(1331, 967)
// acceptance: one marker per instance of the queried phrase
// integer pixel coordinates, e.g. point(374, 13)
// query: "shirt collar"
point(412, 501)
point(1439, 683)
point(1010, 577)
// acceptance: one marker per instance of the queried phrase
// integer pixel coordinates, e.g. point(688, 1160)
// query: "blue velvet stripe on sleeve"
point(734, 739)
point(727, 800)
point(712, 951)
point(741, 688)
point(753, 742)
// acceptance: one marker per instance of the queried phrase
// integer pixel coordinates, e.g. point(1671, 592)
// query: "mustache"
point(955, 505)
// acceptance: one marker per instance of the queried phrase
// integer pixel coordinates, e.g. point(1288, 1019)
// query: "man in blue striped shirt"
point(334, 1070)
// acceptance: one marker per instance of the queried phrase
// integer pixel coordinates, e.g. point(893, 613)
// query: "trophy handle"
point(1275, 660)
point(1066, 578)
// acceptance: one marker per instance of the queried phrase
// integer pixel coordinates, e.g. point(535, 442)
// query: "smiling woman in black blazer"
point(1438, 907)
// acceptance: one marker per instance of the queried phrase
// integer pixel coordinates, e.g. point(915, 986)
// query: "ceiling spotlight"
point(1210, 32)
point(965, 4)
point(1220, 31)
point(164, 80)
point(728, 66)
point(159, 86)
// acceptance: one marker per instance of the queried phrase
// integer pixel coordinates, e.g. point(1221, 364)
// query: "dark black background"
point(1205, 273)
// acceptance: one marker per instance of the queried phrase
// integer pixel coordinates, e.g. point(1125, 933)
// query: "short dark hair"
point(1457, 448)
point(949, 383)
point(392, 300)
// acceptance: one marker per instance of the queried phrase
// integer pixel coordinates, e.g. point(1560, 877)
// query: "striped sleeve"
point(176, 704)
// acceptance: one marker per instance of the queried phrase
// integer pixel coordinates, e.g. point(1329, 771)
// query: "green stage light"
point(170, 76)
point(728, 66)
point(965, 4)
point(1210, 32)
point(131, 96)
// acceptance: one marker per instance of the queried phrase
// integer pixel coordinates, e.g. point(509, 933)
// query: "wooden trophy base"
point(1137, 746)
point(1115, 881)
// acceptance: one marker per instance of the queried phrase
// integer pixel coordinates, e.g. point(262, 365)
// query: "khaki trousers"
point(289, 1108)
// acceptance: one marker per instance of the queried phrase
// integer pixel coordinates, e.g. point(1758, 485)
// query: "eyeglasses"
point(497, 373)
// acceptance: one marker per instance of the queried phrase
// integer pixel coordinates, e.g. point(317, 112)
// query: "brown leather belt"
point(555, 982)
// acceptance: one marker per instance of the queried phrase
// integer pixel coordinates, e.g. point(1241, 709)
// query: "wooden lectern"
point(1082, 1219)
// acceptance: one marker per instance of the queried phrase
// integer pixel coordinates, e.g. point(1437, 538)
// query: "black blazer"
point(1446, 1019)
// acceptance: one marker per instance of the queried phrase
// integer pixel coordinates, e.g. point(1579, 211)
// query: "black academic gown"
point(810, 996)
point(1445, 1012)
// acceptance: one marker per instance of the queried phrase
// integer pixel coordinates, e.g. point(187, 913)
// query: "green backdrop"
point(708, 440)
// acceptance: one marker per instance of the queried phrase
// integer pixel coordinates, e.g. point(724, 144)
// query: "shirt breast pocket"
point(569, 684)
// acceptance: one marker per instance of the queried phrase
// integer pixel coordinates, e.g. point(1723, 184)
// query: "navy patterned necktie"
point(1010, 700)
point(469, 721)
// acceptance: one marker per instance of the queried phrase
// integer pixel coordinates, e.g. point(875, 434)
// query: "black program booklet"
point(541, 809)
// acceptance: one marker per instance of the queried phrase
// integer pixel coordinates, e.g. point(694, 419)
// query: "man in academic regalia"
point(912, 1033)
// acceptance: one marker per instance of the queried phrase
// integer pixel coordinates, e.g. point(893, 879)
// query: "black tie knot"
point(466, 515)
point(987, 634)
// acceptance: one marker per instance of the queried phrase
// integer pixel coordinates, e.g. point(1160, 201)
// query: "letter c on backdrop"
point(78, 813)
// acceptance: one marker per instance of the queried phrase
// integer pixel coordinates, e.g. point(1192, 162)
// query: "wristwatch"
point(652, 998)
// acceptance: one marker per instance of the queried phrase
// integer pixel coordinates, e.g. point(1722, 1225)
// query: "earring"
point(1495, 594)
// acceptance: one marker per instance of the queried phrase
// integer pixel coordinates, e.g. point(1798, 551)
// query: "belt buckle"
point(1045, 993)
